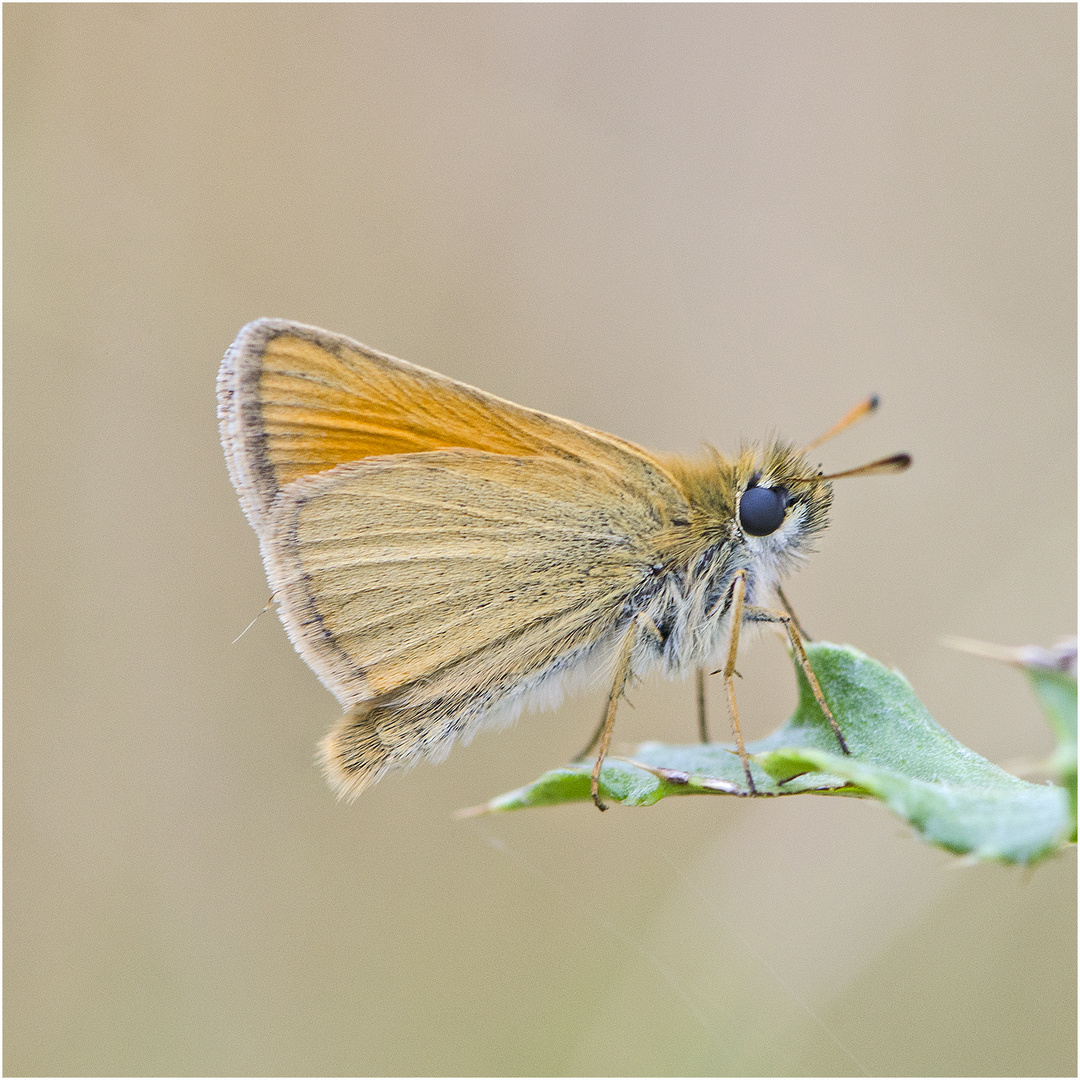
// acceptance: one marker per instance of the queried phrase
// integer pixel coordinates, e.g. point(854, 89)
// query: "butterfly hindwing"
point(452, 573)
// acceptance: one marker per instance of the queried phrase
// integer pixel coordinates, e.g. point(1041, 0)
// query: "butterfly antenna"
point(864, 408)
point(896, 463)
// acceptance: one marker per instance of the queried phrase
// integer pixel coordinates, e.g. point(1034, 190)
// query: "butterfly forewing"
point(295, 400)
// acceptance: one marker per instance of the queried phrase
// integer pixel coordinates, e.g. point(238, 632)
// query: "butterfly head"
point(781, 503)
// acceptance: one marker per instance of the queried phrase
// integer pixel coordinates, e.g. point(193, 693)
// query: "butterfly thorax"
point(719, 531)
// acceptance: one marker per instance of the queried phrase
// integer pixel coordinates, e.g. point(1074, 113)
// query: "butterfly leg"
point(738, 596)
point(702, 718)
point(794, 618)
point(758, 614)
point(594, 739)
point(618, 688)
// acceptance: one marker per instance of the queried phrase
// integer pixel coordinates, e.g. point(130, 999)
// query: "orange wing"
point(294, 400)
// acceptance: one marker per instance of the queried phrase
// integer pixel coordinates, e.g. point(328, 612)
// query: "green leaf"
point(1056, 691)
point(1052, 675)
point(899, 754)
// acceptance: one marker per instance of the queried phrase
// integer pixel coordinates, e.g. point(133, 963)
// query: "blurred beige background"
point(676, 223)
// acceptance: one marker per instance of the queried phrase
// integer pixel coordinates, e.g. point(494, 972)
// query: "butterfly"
point(443, 558)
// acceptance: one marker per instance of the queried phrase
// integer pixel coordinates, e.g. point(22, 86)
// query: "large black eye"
point(761, 510)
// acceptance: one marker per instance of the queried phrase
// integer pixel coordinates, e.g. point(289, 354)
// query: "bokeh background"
point(677, 223)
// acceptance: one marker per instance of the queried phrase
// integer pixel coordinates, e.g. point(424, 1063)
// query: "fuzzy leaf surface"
point(899, 754)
